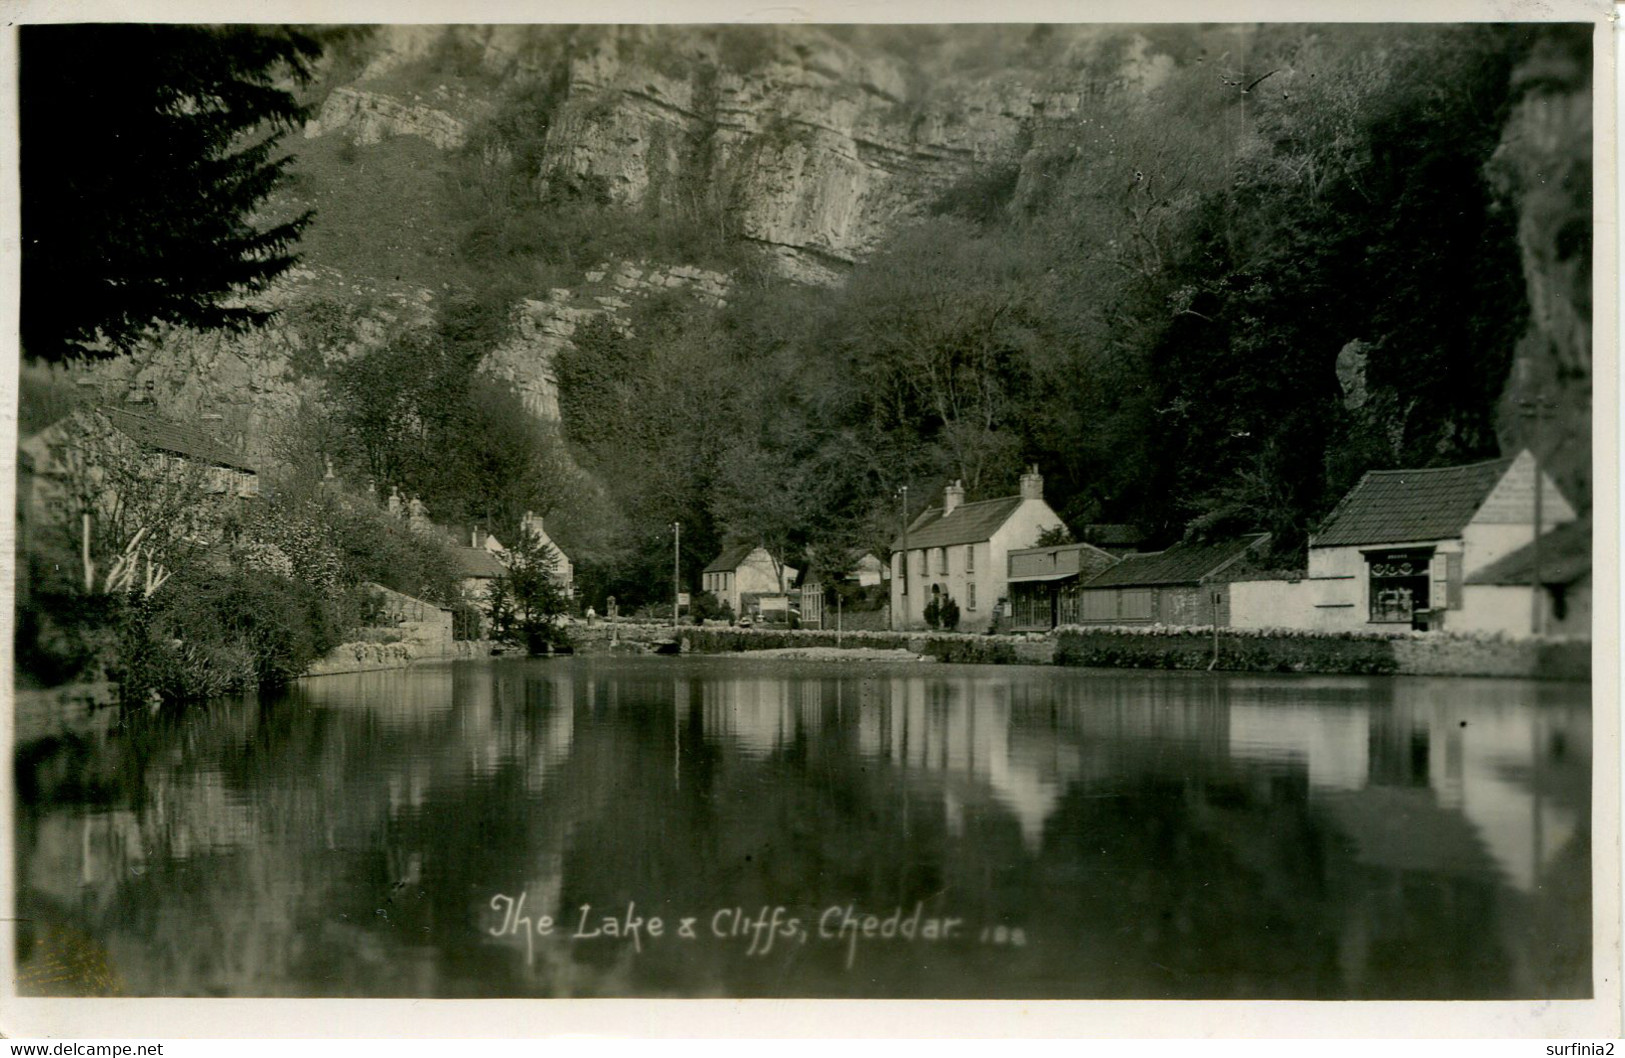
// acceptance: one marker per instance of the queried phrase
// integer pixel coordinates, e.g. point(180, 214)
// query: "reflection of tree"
point(347, 839)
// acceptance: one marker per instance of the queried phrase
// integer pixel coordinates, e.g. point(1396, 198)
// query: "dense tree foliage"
point(1202, 306)
point(145, 152)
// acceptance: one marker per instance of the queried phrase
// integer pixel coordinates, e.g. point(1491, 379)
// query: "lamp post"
point(676, 572)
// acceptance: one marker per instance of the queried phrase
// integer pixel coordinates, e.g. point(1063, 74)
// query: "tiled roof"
point(178, 438)
point(733, 556)
point(478, 562)
point(968, 523)
point(1565, 557)
point(1395, 506)
point(1181, 564)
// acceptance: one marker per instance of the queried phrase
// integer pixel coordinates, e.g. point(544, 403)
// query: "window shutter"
point(1452, 580)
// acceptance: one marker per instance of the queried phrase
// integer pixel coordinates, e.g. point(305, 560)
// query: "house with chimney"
point(960, 551)
point(483, 559)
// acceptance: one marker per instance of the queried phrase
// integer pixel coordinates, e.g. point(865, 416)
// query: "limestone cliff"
point(1544, 167)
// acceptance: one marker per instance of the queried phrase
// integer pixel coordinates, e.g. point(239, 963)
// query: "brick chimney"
point(952, 497)
point(1032, 484)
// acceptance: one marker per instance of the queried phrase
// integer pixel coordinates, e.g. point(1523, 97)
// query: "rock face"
point(542, 327)
point(367, 117)
point(1544, 166)
point(815, 153)
point(809, 144)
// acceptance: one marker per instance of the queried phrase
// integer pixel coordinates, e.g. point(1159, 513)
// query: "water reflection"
point(1092, 835)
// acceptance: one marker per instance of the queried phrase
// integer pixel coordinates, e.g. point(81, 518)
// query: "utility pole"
point(1536, 408)
point(903, 621)
point(676, 572)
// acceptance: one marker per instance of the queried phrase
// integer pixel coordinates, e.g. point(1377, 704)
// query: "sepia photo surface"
point(1031, 510)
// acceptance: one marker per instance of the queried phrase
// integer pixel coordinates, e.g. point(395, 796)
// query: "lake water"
point(818, 829)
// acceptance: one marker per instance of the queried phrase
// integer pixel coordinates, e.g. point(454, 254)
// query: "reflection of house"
point(1498, 597)
point(1398, 547)
point(1046, 584)
point(1184, 585)
point(960, 551)
point(746, 569)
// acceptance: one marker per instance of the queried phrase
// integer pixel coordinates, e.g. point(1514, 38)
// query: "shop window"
point(1400, 584)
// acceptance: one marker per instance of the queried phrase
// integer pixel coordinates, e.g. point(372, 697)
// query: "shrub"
point(211, 632)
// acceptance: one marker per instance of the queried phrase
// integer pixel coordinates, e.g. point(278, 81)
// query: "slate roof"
point(1565, 557)
point(177, 438)
point(968, 523)
point(478, 562)
point(1395, 506)
point(1181, 564)
point(733, 556)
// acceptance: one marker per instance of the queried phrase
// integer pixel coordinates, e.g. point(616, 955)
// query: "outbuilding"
point(1184, 585)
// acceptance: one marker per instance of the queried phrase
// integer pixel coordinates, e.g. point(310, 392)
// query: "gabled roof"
point(733, 556)
point(176, 438)
point(1181, 564)
point(478, 563)
point(1565, 557)
point(967, 523)
point(1396, 506)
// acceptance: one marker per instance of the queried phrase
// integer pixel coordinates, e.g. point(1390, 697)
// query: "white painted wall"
point(991, 577)
point(1273, 604)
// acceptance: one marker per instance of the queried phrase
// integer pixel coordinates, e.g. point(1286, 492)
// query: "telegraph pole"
point(1536, 408)
point(903, 624)
point(676, 573)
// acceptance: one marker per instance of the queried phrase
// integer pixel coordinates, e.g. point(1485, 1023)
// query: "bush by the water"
point(220, 631)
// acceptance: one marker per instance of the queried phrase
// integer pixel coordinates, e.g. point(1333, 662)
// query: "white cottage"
point(961, 551)
point(744, 574)
point(1399, 548)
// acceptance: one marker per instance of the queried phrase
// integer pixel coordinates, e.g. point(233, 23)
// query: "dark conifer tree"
point(145, 151)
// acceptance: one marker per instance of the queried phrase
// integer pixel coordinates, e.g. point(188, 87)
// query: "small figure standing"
point(592, 615)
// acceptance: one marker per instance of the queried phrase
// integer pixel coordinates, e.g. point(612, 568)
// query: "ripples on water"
point(1065, 833)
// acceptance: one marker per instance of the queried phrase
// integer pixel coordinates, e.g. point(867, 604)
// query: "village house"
point(867, 571)
point(1398, 550)
point(1501, 596)
point(745, 576)
point(225, 470)
point(477, 567)
point(1186, 584)
point(1046, 584)
point(960, 551)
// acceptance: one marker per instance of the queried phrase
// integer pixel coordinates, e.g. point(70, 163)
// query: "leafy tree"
point(146, 152)
point(525, 604)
